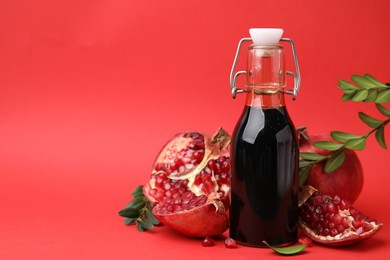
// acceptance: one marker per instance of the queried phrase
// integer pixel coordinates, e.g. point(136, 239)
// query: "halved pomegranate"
point(331, 221)
point(190, 183)
point(193, 216)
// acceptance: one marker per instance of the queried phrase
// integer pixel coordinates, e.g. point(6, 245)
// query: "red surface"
point(90, 90)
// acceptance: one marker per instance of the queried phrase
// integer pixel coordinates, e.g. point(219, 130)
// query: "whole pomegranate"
point(190, 184)
point(332, 221)
point(346, 181)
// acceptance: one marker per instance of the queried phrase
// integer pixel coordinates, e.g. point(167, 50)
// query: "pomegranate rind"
point(209, 219)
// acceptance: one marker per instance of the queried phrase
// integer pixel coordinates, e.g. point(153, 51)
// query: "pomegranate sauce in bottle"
point(264, 151)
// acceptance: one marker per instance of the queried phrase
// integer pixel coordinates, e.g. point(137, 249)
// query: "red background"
point(91, 89)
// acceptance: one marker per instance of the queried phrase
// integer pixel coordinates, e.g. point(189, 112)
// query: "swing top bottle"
point(264, 155)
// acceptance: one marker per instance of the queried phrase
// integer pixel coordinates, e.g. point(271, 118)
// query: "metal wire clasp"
point(296, 76)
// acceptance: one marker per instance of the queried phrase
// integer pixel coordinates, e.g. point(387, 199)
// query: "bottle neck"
point(265, 98)
point(265, 76)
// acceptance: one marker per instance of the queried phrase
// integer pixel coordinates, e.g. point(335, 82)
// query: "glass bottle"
point(264, 155)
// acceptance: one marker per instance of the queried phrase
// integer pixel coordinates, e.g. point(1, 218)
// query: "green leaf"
point(311, 156)
point(129, 213)
point(304, 174)
point(370, 121)
point(383, 96)
point(151, 218)
point(383, 110)
point(335, 161)
point(347, 97)
point(363, 82)
point(137, 192)
point(136, 204)
point(380, 137)
point(287, 250)
point(375, 81)
point(129, 221)
point(140, 227)
point(342, 136)
point(356, 144)
point(146, 223)
point(345, 85)
point(372, 94)
point(304, 163)
point(327, 145)
point(360, 95)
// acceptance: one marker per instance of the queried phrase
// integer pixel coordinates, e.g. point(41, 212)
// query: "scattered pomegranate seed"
point(207, 242)
point(305, 240)
point(230, 243)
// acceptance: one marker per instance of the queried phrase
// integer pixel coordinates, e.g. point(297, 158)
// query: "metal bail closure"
point(264, 37)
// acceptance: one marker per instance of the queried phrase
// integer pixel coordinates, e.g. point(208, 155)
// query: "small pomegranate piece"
point(346, 181)
point(230, 243)
point(331, 221)
point(208, 242)
point(190, 183)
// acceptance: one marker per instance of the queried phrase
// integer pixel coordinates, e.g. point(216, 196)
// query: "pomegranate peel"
point(331, 221)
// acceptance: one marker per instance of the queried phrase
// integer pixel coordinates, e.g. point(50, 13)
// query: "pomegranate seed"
point(343, 205)
point(305, 240)
point(340, 228)
point(336, 218)
point(345, 222)
point(226, 166)
point(198, 180)
point(358, 223)
point(217, 167)
point(198, 155)
point(319, 200)
point(230, 243)
point(222, 159)
point(316, 218)
point(331, 225)
point(325, 232)
point(333, 232)
point(367, 227)
point(331, 208)
point(207, 242)
point(353, 211)
point(167, 186)
point(336, 199)
point(211, 164)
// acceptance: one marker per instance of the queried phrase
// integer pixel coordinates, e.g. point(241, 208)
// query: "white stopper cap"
point(266, 36)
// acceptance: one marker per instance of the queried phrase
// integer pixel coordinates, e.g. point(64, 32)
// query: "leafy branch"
point(139, 211)
point(368, 89)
